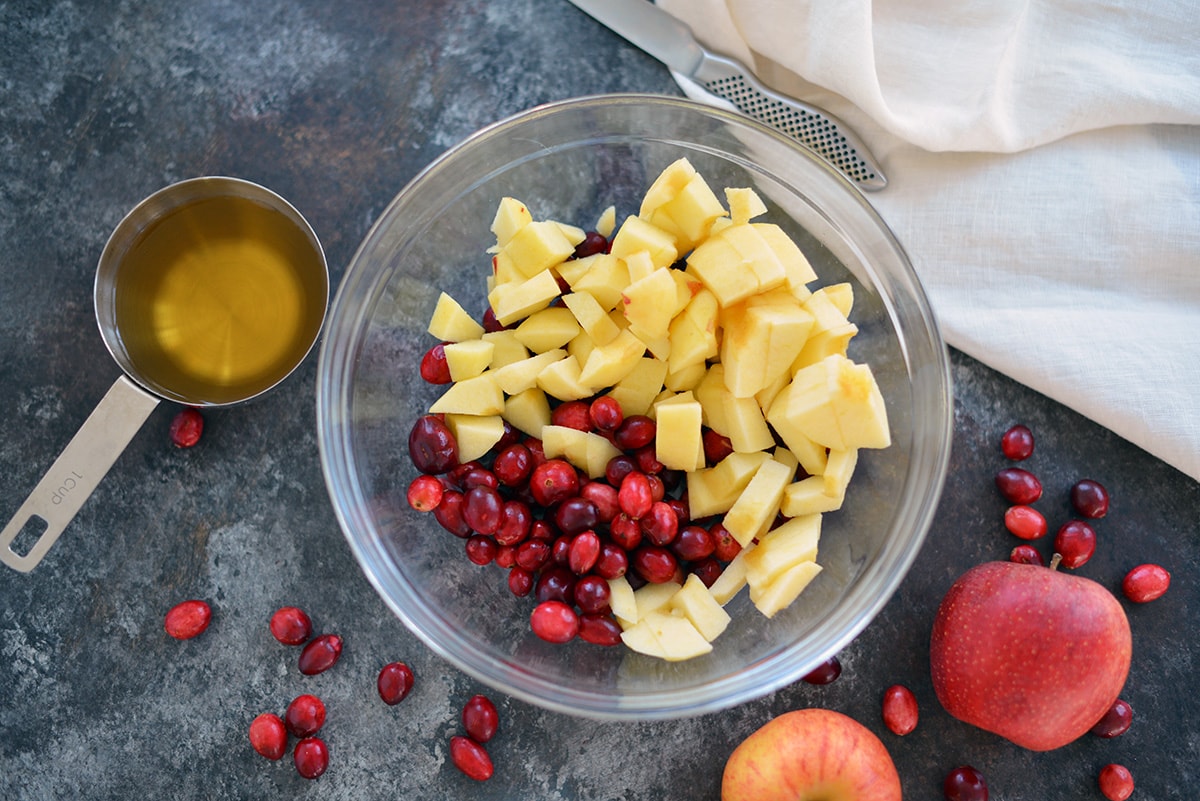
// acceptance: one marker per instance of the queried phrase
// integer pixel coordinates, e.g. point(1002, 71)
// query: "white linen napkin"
point(1043, 160)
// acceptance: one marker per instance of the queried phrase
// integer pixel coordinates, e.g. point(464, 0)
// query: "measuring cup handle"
point(69, 482)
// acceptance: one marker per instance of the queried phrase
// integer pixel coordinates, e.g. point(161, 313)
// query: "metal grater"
point(671, 41)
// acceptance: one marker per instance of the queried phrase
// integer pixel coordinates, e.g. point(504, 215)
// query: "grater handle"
point(815, 128)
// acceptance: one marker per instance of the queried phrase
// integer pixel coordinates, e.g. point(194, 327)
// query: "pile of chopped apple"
point(699, 318)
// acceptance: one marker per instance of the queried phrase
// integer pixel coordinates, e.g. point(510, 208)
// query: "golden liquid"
point(219, 300)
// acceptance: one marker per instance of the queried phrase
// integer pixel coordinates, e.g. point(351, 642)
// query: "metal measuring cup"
point(130, 325)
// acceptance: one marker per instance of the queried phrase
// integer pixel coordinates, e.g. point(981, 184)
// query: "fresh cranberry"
point(311, 757)
point(661, 524)
point(513, 465)
point(708, 570)
point(900, 711)
point(635, 496)
point(599, 629)
point(592, 244)
point(434, 368)
point(490, 323)
point(572, 414)
point(553, 481)
point(516, 521)
point(825, 673)
point(1116, 720)
point(291, 625)
point(425, 493)
point(716, 446)
point(536, 450)
point(556, 583)
point(450, 514)
point(1017, 443)
point(658, 487)
point(1090, 498)
point(321, 654)
point(1075, 542)
point(187, 619)
point(726, 546)
point(394, 683)
point(637, 431)
point(506, 556)
point(1025, 522)
point(186, 427)
point(575, 515)
point(520, 581)
point(625, 531)
point(617, 468)
point(560, 550)
point(693, 543)
point(483, 509)
point(965, 784)
point(1026, 554)
point(431, 446)
point(606, 414)
point(481, 549)
point(592, 595)
point(583, 552)
point(480, 718)
point(268, 735)
point(1145, 583)
point(533, 554)
point(479, 476)
point(471, 758)
point(457, 475)
point(554, 621)
point(604, 497)
point(1116, 782)
point(1018, 485)
point(612, 562)
point(305, 715)
point(647, 460)
point(656, 565)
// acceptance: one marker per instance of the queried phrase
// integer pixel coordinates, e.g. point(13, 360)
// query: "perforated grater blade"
point(670, 41)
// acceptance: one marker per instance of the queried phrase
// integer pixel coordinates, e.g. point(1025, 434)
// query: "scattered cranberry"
point(592, 595)
point(1018, 485)
point(431, 446)
point(1026, 555)
point(268, 735)
point(656, 565)
point(625, 531)
point(434, 368)
point(311, 757)
point(1017, 443)
point(592, 244)
point(471, 758)
point(513, 465)
point(603, 497)
point(617, 468)
point(572, 414)
point(320, 654)
point(899, 709)
point(583, 552)
point(450, 514)
point(694, 543)
point(636, 432)
point(1116, 721)
point(726, 546)
point(1116, 782)
point(490, 323)
point(425, 493)
point(716, 446)
point(305, 715)
point(1075, 542)
point(635, 496)
point(394, 683)
point(186, 427)
point(825, 673)
point(188, 619)
point(516, 521)
point(661, 524)
point(555, 583)
point(520, 582)
point(1145, 583)
point(1025, 522)
point(481, 550)
point(480, 718)
point(483, 510)
point(1089, 498)
point(965, 784)
point(575, 515)
point(612, 562)
point(554, 621)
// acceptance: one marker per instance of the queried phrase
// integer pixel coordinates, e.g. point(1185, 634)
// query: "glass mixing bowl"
point(568, 161)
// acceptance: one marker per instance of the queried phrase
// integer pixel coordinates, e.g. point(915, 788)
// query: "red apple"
point(811, 755)
point(1029, 653)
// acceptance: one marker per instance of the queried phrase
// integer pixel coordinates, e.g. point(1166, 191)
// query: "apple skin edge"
point(1029, 653)
point(811, 755)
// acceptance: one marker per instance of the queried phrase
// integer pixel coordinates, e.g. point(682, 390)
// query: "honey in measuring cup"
point(217, 298)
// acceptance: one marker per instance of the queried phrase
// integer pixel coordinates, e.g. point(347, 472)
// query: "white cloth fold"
point(1043, 160)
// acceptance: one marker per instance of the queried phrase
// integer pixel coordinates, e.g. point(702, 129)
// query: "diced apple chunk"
point(782, 548)
point(654, 597)
point(560, 380)
point(475, 435)
point(528, 411)
point(513, 301)
point(609, 363)
point(538, 246)
point(676, 636)
point(451, 323)
point(744, 204)
point(677, 443)
point(622, 601)
point(758, 504)
point(468, 359)
point(781, 592)
point(591, 316)
point(638, 389)
point(519, 376)
point(547, 329)
point(479, 396)
point(731, 580)
point(697, 604)
point(635, 234)
point(511, 216)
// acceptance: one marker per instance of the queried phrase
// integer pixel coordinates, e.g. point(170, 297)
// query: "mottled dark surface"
point(337, 106)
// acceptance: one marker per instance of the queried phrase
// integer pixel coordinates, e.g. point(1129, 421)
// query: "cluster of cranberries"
point(480, 721)
point(561, 535)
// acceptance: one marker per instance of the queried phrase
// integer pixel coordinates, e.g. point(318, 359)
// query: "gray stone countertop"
point(336, 106)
